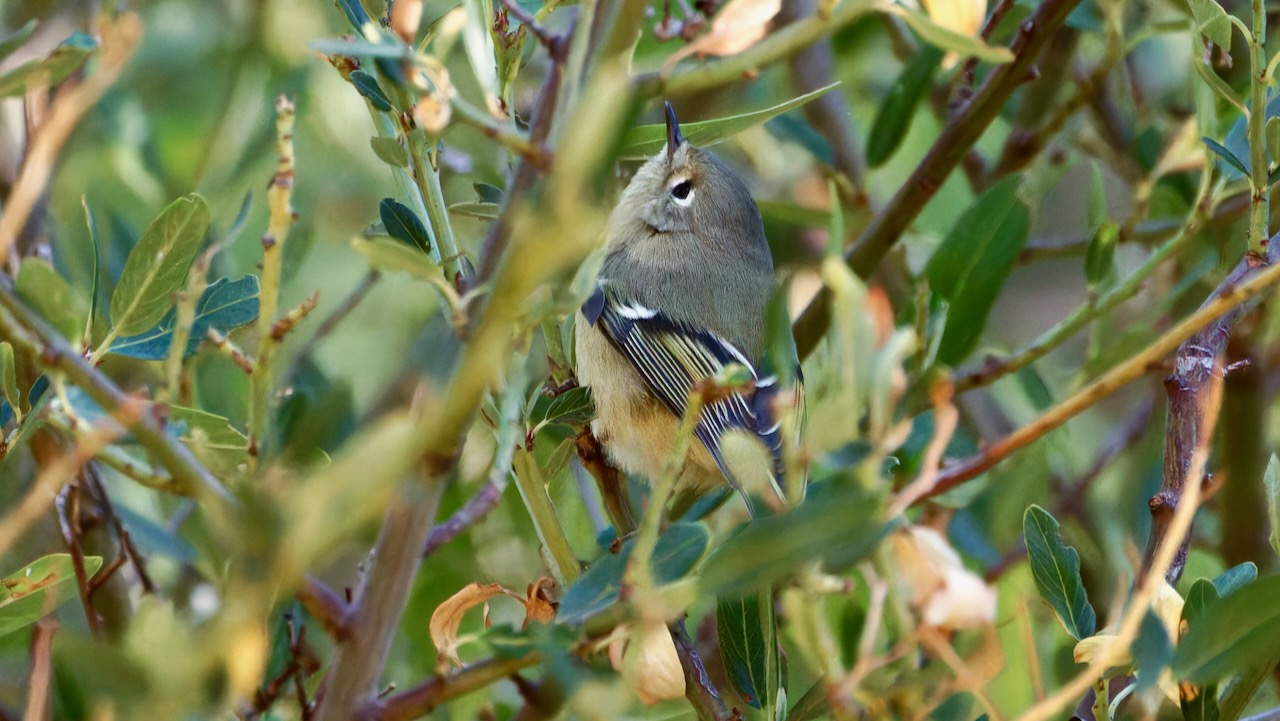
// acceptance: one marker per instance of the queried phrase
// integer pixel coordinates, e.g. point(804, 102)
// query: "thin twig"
point(69, 521)
point(40, 683)
point(425, 697)
point(119, 40)
point(31, 335)
point(699, 689)
point(1259, 277)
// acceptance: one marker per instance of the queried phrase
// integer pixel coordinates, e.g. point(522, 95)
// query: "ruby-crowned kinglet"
point(682, 294)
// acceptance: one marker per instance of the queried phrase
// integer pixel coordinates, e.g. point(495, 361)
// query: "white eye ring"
point(687, 199)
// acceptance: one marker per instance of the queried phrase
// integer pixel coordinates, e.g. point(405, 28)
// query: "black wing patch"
point(673, 357)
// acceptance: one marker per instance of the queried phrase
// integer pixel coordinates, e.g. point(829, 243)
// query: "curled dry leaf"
point(447, 618)
point(737, 27)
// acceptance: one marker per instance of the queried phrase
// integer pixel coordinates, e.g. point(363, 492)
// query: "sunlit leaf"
point(33, 592)
point(1234, 634)
point(1055, 567)
point(212, 439)
point(483, 211)
point(947, 39)
point(224, 305)
point(391, 255)
point(970, 266)
point(157, 266)
point(9, 379)
point(645, 140)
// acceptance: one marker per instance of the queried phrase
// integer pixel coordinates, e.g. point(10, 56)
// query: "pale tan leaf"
point(738, 26)
point(538, 606)
point(447, 617)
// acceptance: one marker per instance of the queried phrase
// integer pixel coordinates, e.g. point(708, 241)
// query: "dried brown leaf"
point(447, 617)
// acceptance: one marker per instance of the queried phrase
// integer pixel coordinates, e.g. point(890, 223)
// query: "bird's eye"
point(682, 193)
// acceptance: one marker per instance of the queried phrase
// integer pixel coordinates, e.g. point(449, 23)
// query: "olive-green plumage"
point(687, 272)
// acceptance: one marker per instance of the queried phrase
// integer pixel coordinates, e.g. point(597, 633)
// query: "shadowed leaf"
point(224, 305)
point(1056, 569)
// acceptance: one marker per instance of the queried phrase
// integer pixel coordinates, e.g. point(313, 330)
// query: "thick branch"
point(953, 142)
point(1195, 366)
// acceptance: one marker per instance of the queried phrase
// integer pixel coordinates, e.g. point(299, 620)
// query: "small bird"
point(682, 293)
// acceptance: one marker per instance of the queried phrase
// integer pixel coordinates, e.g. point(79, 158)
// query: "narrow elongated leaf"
point(403, 224)
point(33, 592)
point(1056, 569)
point(97, 273)
point(1234, 634)
point(224, 305)
point(645, 140)
point(361, 49)
point(973, 261)
point(483, 211)
point(1199, 703)
point(1235, 578)
point(1227, 156)
point(50, 296)
point(64, 60)
point(1271, 480)
point(17, 39)
point(158, 265)
point(836, 526)
point(747, 630)
point(947, 39)
point(679, 548)
point(392, 256)
point(893, 118)
point(9, 379)
point(367, 86)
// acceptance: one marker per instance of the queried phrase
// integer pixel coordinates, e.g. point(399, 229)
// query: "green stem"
point(533, 490)
point(426, 177)
point(1260, 209)
point(506, 136)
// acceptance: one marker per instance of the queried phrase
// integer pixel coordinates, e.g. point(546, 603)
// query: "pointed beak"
point(674, 138)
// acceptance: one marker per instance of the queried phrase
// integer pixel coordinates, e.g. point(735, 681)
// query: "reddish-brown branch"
point(955, 140)
point(325, 606)
point(421, 699)
point(1195, 366)
point(68, 511)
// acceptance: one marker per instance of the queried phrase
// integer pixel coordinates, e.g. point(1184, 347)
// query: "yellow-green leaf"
point(157, 266)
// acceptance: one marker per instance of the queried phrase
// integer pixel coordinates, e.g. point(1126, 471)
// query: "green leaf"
point(49, 295)
point(158, 265)
point(1271, 480)
point(390, 151)
point(483, 211)
point(367, 86)
point(1229, 157)
point(1272, 132)
point(152, 538)
point(224, 305)
point(1217, 84)
point(64, 60)
point(645, 140)
point(355, 12)
point(1100, 255)
point(748, 633)
point(1199, 703)
point(679, 548)
point(793, 214)
point(571, 408)
point(212, 439)
point(403, 224)
point(17, 39)
point(1212, 22)
point(9, 379)
point(1056, 569)
point(1235, 578)
point(488, 193)
point(1097, 203)
point(1237, 696)
point(1152, 650)
point(947, 39)
point(362, 49)
point(30, 594)
point(973, 261)
point(893, 118)
point(836, 526)
point(1236, 632)
point(97, 262)
point(392, 256)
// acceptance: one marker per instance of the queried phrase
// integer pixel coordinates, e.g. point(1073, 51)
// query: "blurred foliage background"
point(1087, 194)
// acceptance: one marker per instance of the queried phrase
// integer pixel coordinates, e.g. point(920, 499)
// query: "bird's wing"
point(673, 357)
